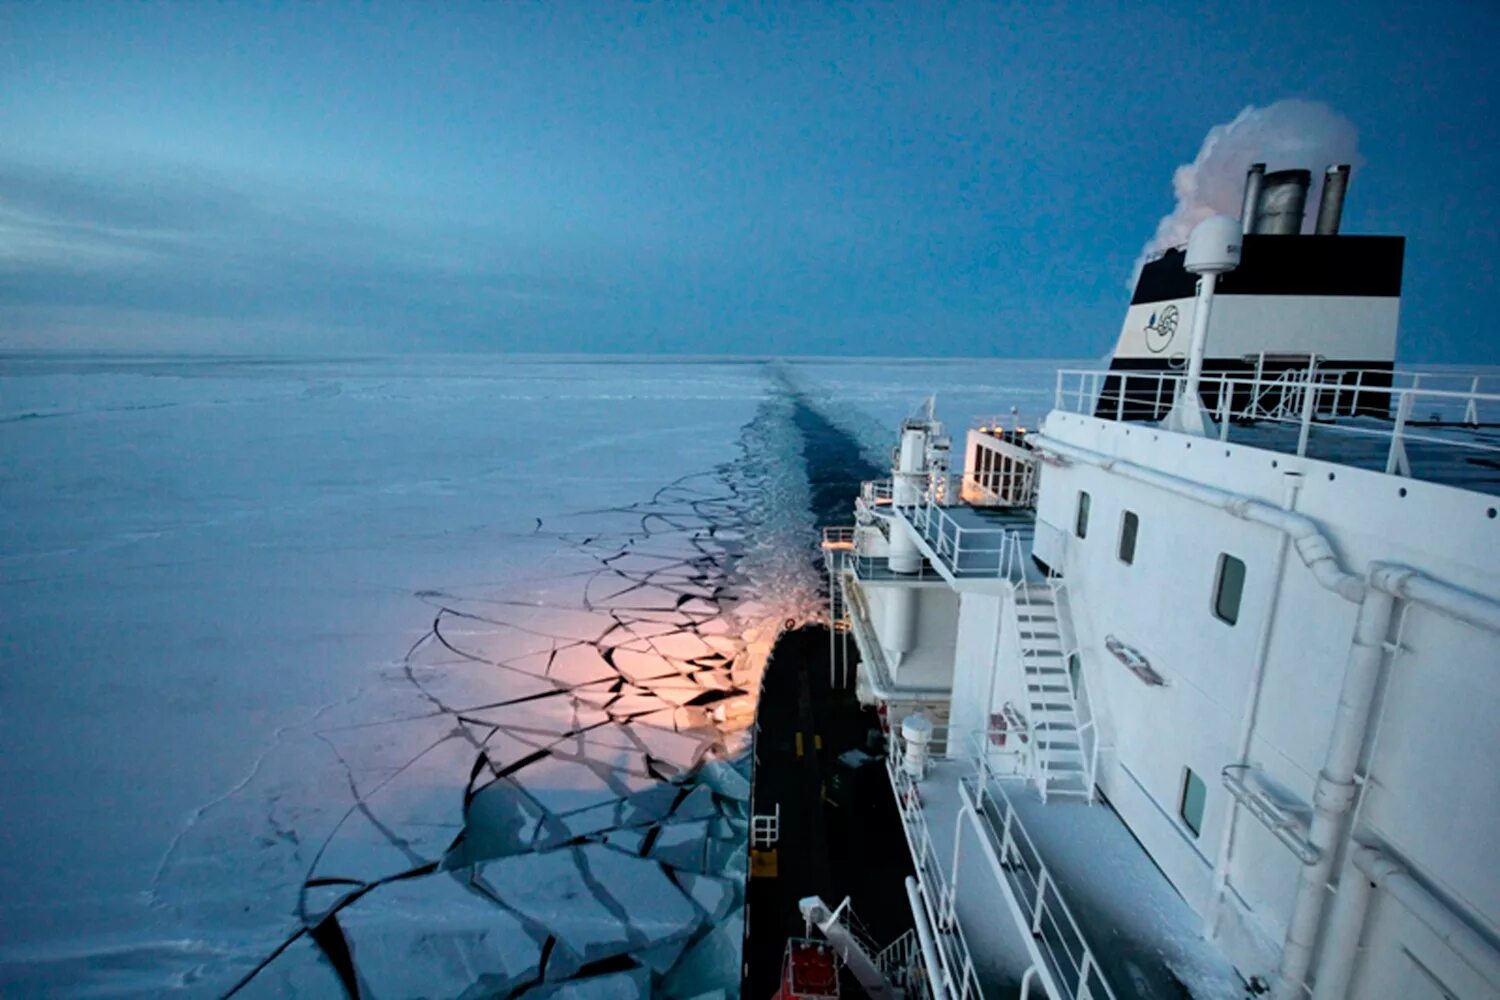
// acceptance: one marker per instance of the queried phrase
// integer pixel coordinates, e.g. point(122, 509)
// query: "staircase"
point(1061, 766)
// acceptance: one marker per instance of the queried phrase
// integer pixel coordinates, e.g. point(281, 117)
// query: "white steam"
point(1283, 135)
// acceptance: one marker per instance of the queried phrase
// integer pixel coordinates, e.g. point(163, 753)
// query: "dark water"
point(840, 832)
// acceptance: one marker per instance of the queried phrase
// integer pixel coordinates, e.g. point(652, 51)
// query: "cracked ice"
point(546, 791)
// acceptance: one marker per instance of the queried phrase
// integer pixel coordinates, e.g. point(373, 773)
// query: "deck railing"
point(1071, 963)
point(958, 976)
point(1396, 408)
point(966, 550)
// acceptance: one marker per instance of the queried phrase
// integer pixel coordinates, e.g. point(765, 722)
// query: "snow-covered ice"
point(394, 671)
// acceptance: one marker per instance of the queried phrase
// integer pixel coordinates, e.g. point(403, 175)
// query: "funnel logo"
point(1160, 329)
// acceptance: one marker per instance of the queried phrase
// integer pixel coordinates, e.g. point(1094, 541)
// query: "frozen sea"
point(417, 675)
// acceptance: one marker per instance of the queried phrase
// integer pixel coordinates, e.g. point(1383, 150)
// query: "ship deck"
point(1145, 938)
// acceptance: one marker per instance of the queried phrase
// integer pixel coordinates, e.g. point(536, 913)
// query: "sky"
point(825, 179)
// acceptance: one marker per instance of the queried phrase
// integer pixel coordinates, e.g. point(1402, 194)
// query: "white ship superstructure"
point(1200, 706)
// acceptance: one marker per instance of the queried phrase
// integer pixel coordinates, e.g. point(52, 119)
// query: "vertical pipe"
point(1253, 179)
point(1334, 794)
point(1336, 966)
point(1331, 205)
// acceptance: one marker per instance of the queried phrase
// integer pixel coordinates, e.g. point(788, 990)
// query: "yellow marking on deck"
point(799, 744)
point(763, 864)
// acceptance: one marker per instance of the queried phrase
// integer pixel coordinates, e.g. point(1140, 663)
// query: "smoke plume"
point(1283, 135)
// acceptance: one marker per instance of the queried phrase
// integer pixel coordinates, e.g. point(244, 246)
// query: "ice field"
point(426, 675)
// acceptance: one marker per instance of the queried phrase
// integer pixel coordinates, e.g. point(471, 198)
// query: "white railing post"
point(1226, 390)
point(1307, 410)
point(1395, 460)
point(1057, 397)
point(1471, 410)
point(1120, 397)
point(1036, 912)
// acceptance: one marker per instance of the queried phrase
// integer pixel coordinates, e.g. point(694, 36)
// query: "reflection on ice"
point(572, 811)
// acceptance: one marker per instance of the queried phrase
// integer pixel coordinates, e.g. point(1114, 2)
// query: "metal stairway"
point(1061, 768)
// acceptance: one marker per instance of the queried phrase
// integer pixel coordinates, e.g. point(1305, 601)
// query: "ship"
point(1191, 688)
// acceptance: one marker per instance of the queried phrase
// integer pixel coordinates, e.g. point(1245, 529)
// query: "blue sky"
point(790, 179)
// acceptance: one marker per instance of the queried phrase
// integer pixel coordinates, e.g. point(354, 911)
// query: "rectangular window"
point(1081, 523)
point(1194, 798)
point(1228, 588)
point(1129, 523)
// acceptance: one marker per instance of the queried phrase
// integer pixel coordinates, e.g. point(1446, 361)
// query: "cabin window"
point(1194, 798)
point(1229, 587)
point(1128, 525)
point(1081, 522)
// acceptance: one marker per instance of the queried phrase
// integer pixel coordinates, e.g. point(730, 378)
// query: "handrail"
point(958, 975)
point(947, 537)
point(1052, 924)
point(1415, 407)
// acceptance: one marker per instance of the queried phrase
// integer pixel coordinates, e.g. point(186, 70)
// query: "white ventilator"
point(916, 734)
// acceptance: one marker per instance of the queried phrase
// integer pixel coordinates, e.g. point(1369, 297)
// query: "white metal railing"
point(967, 550)
point(765, 828)
point(957, 974)
point(842, 549)
point(1432, 408)
point(1072, 963)
point(901, 963)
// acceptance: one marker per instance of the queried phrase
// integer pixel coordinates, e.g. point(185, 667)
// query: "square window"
point(1229, 587)
point(1194, 797)
point(1129, 524)
point(1081, 523)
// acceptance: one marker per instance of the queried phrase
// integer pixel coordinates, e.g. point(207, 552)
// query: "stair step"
point(1051, 706)
point(1043, 669)
point(1057, 746)
point(1051, 688)
point(1025, 634)
point(1041, 652)
point(1056, 727)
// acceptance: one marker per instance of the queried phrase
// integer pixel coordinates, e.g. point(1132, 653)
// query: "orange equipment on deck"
point(810, 971)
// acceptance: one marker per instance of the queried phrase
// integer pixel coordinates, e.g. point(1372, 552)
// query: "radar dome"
point(1214, 246)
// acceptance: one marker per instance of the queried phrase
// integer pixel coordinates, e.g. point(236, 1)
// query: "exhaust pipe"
point(1331, 207)
point(1283, 198)
point(1253, 180)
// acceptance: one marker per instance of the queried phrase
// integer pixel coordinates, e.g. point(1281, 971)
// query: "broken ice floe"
point(566, 814)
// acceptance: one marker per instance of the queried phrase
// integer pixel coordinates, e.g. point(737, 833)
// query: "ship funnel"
point(1283, 197)
point(1331, 208)
point(1253, 179)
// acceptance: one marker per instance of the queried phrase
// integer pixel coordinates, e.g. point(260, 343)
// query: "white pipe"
point(1412, 585)
point(1312, 547)
point(1391, 876)
point(1341, 942)
point(1291, 482)
point(1373, 868)
point(925, 941)
point(1334, 793)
